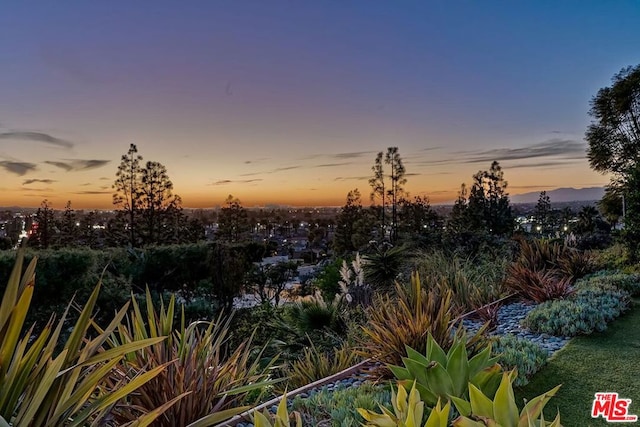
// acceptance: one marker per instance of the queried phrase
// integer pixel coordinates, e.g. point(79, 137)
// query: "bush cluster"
point(589, 310)
point(626, 282)
point(338, 407)
point(202, 274)
point(521, 354)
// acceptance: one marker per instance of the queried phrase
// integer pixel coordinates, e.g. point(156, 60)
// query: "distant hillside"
point(562, 195)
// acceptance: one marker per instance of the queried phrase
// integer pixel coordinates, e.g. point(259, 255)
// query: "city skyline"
point(288, 103)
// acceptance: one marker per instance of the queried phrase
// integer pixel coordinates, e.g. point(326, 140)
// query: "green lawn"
point(608, 361)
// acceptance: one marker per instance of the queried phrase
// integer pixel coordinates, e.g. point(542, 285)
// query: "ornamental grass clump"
point(43, 385)
point(545, 271)
point(209, 381)
point(315, 364)
point(405, 320)
point(474, 281)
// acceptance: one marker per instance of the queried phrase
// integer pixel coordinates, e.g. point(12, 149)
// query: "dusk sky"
point(287, 102)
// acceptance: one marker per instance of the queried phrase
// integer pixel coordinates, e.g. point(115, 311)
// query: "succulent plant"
point(502, 410)
point(408, 410)
point(282, 417)
point(439, 375)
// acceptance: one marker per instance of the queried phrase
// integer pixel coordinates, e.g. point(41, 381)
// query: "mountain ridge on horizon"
point(561, 195)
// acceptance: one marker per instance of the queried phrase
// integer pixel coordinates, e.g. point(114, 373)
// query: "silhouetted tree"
point(233, 222)
point(611, 204)
point(44, 232)
point(417, 221)
point(378, 190)
point(69, 235)
point(614, 133)
point(127, 190)
point(227, 266)
point(394, 190)
point(160, 209)
point(542, 215)
point(487, 208)
point(349, 225)
point(88, 234)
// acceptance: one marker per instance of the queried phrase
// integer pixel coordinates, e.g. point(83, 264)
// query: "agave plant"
point(208, 384)
point(282, 417)
point(439, 375)
point(43, 386)
point(408, 411)
point(502, 410)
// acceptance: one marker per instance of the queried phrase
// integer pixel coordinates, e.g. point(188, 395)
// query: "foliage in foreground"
point(209, 384)
point(502, 411)
point(408, 411)
point(439, 375)
point(282, 417)
point(41, 386)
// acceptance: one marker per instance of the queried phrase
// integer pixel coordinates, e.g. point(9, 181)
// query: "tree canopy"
point(614, 133)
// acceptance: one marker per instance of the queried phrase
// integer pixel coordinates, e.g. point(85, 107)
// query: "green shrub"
point(626, 282)
point(474, 281)
point(587, 311)
point(314, 313)
point(339, 406)
point(328, 280)
point(519, 353)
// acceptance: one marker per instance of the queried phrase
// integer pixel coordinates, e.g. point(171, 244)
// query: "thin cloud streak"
point(554, 147)
point(229, 181)
point(41, 181)
point(351, 178)
point(90, 192)
point(332, 165)
point(562, 149)
point(18, 168)
point(37, 137)
point(539, 165)
point(69, 165)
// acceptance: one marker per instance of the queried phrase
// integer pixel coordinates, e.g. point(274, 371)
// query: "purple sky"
point(288, 101)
